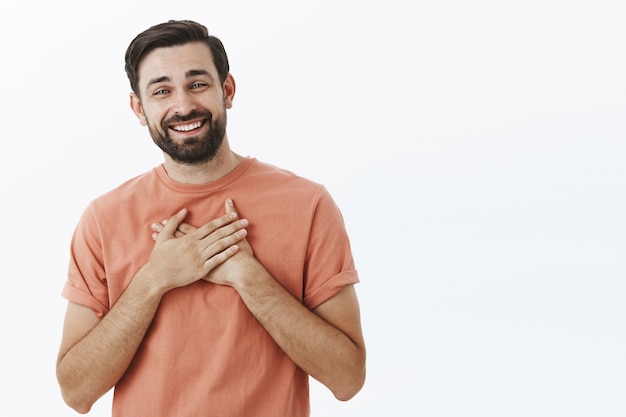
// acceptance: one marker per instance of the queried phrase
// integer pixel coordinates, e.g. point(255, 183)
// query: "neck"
point(224, 162)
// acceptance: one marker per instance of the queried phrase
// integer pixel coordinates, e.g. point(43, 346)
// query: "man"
point(206, 313)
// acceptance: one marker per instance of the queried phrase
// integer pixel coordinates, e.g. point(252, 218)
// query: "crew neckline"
point(239, 170)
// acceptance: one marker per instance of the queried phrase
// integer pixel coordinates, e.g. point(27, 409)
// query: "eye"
point(161, 91)
point(199, 85)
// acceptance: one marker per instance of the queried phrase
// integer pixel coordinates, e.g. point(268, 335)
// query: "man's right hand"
point(178, 260)
point(94, 352)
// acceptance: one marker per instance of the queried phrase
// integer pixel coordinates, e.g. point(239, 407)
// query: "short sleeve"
point(86, 281)
point(329, 262)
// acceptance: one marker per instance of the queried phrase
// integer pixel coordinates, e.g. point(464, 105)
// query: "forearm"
point(319, 348)
point(95, 363)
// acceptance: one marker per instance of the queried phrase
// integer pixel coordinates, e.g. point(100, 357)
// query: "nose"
point(183, 102)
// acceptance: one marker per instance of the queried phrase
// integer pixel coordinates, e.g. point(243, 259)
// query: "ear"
point(137, 108)
point(229, 90)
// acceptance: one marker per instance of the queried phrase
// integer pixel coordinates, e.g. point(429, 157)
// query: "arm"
point(327, 342)
point(94, 354)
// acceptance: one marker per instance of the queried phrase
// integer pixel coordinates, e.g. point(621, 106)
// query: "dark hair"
point(173, 33)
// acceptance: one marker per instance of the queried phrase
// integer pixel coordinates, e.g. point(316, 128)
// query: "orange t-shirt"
point(205, 354)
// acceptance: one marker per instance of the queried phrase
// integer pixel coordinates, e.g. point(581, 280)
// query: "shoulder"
point(280, 177)
point(279, 188)
point(127, 191)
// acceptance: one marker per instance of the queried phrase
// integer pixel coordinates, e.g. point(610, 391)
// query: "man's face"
point(182, 102)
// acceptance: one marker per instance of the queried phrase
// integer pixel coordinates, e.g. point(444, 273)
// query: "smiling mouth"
point(188, 127)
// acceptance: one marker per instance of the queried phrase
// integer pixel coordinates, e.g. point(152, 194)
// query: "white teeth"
point(187, 128)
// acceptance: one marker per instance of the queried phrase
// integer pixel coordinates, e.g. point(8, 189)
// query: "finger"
point(220, 258)
point(182, 230)
point(226, 231)
point(186, 228)
point(230, 206)
point(169, 228)
point(217, 245)
point(208, 228)
point(157, 227)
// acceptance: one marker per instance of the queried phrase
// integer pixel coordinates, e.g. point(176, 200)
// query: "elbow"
point(352, 384)
point(347, 392)
point(75, 397)
point(80, 409)
point(75, 402)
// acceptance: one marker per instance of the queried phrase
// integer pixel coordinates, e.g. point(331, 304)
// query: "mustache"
point(194, 114)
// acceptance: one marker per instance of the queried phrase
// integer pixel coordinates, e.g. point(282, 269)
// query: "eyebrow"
point(193, 73)
point(188, 74)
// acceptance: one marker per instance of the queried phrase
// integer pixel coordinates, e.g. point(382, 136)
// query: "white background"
point(477, 151)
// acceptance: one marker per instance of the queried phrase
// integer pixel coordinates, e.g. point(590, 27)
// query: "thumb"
point(169, 229)
point(230, 206)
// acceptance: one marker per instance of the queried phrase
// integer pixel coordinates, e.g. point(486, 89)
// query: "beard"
point(193, 150)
